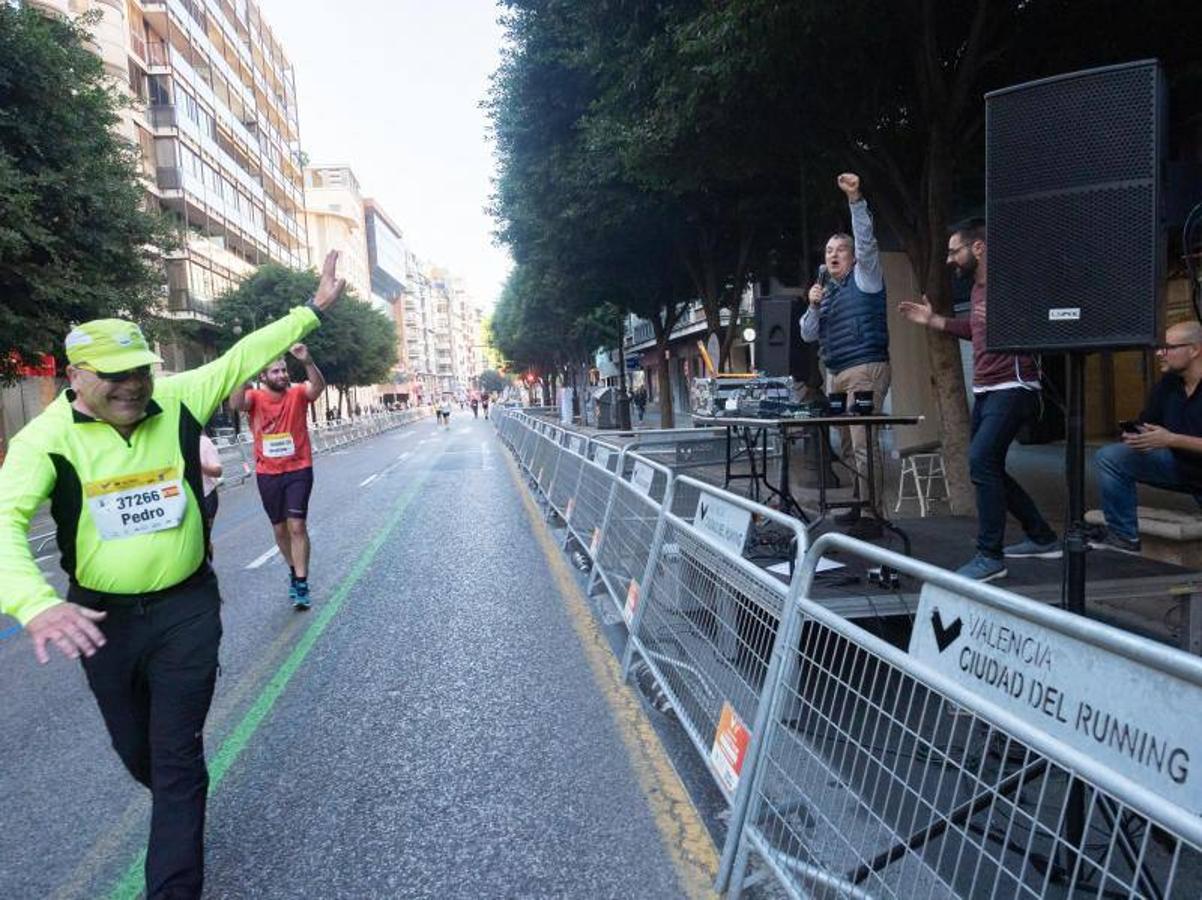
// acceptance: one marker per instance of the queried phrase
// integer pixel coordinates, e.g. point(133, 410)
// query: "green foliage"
point(75, 241)
point(493, 381)
point(355, 345)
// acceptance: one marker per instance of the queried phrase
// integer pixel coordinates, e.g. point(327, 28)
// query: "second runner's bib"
point(278, 446)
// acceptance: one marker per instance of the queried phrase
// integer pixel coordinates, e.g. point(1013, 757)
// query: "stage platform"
point(1155, 599)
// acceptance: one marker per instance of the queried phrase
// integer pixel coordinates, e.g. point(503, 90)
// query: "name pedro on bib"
point(138, 503)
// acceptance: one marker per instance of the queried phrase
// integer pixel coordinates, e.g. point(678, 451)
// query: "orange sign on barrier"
point(730, 746)
point(632, 601)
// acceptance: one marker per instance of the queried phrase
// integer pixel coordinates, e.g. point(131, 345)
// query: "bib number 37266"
point(139, 503)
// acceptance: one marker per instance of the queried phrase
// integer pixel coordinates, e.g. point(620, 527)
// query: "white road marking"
point(46, 557)
point(264, 558)
point(366, 481)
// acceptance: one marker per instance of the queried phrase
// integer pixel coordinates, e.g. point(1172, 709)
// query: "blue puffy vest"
point(853, 327)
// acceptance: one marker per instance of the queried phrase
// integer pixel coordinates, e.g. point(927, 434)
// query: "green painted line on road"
point(132, 882)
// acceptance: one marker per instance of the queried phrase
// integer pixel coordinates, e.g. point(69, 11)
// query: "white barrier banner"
point(601, 457)
point(724, 521)
point(641, 478)
point(1138, 721)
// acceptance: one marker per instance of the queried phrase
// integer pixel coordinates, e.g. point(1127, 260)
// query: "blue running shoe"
point(300, 600)
point(983, 568)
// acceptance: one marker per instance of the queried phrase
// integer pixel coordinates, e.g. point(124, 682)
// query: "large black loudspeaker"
point(1073, 182)
point(779, 350)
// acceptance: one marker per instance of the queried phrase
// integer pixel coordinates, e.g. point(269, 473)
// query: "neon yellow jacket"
point(62, 451)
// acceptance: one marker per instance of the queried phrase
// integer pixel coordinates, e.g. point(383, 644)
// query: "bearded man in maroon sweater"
point(1006, 396)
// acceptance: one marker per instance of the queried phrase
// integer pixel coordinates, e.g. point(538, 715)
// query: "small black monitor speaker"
point(1073, 171)
point(779, 350)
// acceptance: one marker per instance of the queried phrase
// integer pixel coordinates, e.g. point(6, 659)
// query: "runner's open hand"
point(301, 353)
point(329, 289)
point(69, 627)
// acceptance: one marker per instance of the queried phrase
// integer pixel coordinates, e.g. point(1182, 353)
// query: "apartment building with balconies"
point(218, 131)
point(336, 219)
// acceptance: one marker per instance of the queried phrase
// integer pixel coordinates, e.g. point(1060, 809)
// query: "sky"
point(393, 88)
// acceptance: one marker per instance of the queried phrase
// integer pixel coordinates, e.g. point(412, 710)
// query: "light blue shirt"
point(866, 270)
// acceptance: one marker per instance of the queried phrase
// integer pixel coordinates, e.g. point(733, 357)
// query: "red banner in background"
point(43, 368)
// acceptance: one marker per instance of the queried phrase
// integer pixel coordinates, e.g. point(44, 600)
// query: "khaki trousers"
point(853, 441)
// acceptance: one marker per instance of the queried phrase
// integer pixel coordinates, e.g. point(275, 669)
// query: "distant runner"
point(284, 460)
point(484, 404)
point(444, 411)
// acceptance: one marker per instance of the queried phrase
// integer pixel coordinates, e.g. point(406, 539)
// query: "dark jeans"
point(153, 681)
point(1120, 468)
point(997, 417)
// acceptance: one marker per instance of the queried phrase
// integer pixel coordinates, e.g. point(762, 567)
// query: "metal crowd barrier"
point(699, 614)
point(853, 768)
point(707, 621)
point(237, 451)
point(874, 775)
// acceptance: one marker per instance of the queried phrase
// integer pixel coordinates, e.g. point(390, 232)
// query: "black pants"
point(997, 417)
point(153, 681)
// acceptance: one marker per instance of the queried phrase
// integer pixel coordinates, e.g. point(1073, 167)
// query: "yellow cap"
point(108, 345)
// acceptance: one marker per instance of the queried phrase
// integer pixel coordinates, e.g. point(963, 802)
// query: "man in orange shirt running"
point(283, 459)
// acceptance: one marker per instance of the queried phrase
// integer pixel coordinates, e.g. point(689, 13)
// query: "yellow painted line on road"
point(684, 834)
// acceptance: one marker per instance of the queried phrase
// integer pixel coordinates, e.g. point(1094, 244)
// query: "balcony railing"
point(137, 43)
point(182, 300)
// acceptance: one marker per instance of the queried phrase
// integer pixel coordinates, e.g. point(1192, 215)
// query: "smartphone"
point(1129, 426)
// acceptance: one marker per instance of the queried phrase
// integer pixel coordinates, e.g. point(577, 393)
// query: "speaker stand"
point(1074, 557)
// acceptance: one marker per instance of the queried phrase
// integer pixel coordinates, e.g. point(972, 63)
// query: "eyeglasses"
point(119, 377)
point(952, 251)
point(1165, 348)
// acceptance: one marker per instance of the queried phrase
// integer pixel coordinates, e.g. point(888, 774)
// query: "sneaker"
point(1029, 549)
point(292, 592)
point(301, 600)
point(867, 528)
point(1108, 540)
point(983, 568)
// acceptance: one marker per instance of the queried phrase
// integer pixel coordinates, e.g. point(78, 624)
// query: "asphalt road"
point(440, 724)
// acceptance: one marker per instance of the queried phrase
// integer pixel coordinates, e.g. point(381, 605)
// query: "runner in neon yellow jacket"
point(114, 497)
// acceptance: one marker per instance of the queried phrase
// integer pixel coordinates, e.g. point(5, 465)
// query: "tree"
point(492, 381)
point(584, 236)
point(356, 344)
point(894, 91)
point(76, 242)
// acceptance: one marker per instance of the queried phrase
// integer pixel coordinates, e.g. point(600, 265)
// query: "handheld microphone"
point(824, 276)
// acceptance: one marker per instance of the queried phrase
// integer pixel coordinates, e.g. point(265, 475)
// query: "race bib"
point(136, 504)
point(278, 446)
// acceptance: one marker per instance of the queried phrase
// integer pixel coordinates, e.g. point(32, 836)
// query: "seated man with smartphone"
point(1163, 448)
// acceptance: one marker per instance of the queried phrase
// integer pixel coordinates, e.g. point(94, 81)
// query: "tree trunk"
point(943, 351)
point(667, 418)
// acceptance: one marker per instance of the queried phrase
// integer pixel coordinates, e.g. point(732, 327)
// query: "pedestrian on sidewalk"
point(848, 317)
point(143, 606)
point(279, 419)
point(640, 401)
point(484, 401)
point(475, 408)
point(1163, 448)
point(1006, 396)
point(211, 471)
